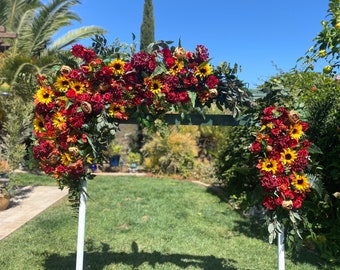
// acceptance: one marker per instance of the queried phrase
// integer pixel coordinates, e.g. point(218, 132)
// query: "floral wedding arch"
point(78, 108)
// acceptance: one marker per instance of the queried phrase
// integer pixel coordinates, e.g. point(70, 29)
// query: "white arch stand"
point(81, 227)
point(81, 235)
point(281, 250)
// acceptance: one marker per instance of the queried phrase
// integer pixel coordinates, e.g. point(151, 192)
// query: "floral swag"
point(283, 156)
point(78, 109)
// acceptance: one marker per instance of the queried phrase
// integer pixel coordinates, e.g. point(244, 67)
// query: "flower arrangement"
point(77, 109)
point(282, 158)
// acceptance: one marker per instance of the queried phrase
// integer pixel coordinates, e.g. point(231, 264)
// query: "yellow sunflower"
point(300, 182)
point(44, 95)
point(269, 165)
point(115, 109)
point(288, 156)
point(155, 86)
point(203, 71)
point(58, 120)
point(39, 124)
point(117, 67)
point(296, 131)
point(78, 87)
point(176, 67)
point(62, 84)
point(66, 159)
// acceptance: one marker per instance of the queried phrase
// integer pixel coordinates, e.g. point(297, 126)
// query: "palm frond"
point(14, 9)
point(74, 35)
point(23, 42)
point(51, 18)
point(3, 12)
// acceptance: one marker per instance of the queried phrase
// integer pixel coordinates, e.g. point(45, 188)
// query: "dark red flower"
point(42, 150)
point(71, 94)
point(212, 81)
point(169, 62)
point(269, 203)
point(88, 55)
point(299, 198)
point(78, 50)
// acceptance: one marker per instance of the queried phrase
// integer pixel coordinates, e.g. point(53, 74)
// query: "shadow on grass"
point(254, 229)
point(104, 257)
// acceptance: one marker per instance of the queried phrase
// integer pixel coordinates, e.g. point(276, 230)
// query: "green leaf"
point(192, 96)
point(160, 69)
point(271, 228)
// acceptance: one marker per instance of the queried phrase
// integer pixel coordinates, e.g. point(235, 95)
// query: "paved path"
point(28, 203)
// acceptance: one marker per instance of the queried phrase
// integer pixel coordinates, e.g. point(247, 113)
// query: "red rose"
point(269, 203)
point(299, 198)
point(255, 147)
point(78, 50)
point(169, 62)
point(304, 126)
point(212, 81)
point(71, 94)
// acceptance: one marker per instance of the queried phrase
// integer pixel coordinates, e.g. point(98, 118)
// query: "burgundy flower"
point(212, 81)
point(299, 198)
point(169, 62)
point(78, 50)
point(201, 54)
point(88, 56)
point(269, 203)
point(255, 147)
point(42, 150)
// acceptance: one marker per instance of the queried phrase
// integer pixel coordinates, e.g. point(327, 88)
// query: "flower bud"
point(74, 151)
point(65, 70)
point(288, 205)
point(269, 148)
point(86, 107)
point(179, 53)
point(294, 117)
point(213, 93)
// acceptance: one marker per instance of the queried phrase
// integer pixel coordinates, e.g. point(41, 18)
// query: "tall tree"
point(147, 33)
point(147, 36)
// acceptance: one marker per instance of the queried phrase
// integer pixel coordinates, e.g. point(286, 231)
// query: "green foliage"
point(235, 167)
point(134, 157)
point(327, 42)
point(114, 149)
point(16, 130)
point(147, 31)
point(36, 23)
point(173, 153)
point(233, 95)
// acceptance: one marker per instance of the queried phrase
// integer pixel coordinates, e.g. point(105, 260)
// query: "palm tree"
point(36, 23)
point(33, 50)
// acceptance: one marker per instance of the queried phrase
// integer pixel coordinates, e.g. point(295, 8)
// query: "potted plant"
point(5, 195)
point(115, 150)
point(133, 160)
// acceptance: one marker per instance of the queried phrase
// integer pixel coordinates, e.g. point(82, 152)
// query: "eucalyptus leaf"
point(192, 96)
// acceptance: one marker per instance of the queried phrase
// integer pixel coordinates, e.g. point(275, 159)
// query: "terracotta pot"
point(4, 201)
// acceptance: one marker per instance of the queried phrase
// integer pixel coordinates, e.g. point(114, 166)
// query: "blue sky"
point(263, 36)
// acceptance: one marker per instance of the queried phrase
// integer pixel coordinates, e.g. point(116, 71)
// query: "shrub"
point(173, 153)
point(235, 167)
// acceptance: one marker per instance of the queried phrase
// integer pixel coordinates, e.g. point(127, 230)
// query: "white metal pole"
point(81, 227)
point(281, 249)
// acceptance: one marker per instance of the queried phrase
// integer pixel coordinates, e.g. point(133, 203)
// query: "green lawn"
point(145, 223)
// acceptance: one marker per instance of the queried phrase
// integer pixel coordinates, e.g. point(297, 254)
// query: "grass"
point(145, 223)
